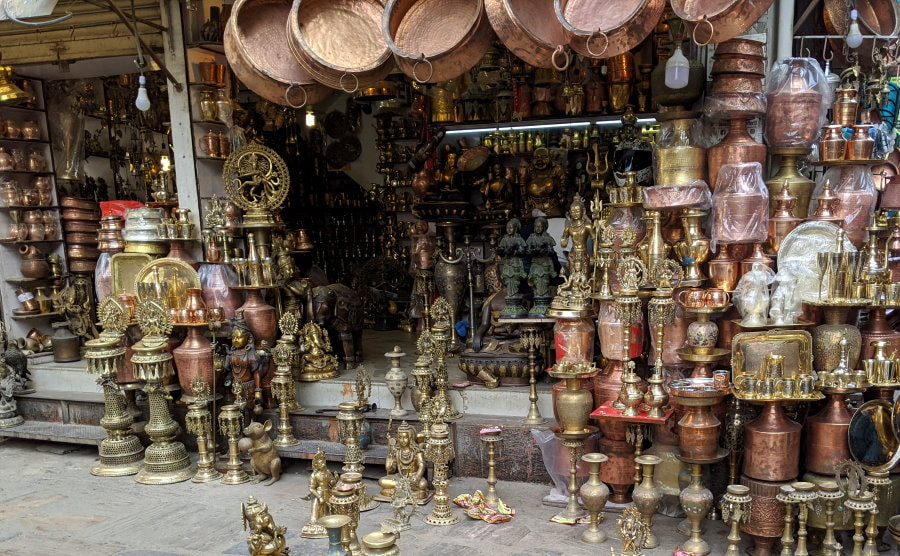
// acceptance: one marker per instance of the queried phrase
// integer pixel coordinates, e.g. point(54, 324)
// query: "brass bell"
point(304, 243)
point(10, 93)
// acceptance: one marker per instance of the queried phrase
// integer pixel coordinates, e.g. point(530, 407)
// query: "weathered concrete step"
point(56, 432)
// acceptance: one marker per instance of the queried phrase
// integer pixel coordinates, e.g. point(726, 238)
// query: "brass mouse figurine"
point(264, 459)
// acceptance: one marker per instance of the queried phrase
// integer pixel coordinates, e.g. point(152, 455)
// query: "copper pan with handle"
point(256, 46)
point(715, 21)
point(603, 29)
point(436, 40)
point(530, 30)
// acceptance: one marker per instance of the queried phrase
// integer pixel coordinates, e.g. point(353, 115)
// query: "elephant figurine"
point(338, 309)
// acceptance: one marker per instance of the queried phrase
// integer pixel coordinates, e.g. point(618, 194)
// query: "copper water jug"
point(846, 107)
point(794, 111)
point(737, 146)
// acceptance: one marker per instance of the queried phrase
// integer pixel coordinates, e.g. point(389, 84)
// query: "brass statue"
point(579, 230)
point(512, 268)
point(545, 184)
point(633, 531)
point(405, 459)
point(8, 406)
point(256, 180)
point(497, 188)
point(539, 247)
point(317, 361)
point(321, 481)
point(266, 538)
point(247, 364)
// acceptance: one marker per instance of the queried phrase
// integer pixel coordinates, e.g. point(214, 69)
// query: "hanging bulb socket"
point(678, 70)
point(142, 102)
point(854, 36)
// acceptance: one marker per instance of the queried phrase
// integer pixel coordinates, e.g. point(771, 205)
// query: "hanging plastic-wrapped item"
point(854, 188)
point(798, 98)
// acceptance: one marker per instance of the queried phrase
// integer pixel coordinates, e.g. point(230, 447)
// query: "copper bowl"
point(436, 40)
point(79, 251)
point(715, 21)
point(81, 237)
point(84, 215)
point(742, 47)
point(881, 17)
point(339, 42)
point(529, 30)
point(738, 63)
point(80, 226)
point(605, 29)
point(256, 46)
point(736, 83)
point(83, 204)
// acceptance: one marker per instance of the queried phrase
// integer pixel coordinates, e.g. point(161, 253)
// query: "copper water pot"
point(193, 360)
point(861, 144)
point(766, 523)
point(782, 220)
point(737, 146)
point(757, 256)
point(793, 113)
point(876, 329)
point(832, 145)
point(260, 317)
point(845, 108)
point(34, 263)
point(698, 429)
point(724, 270)
point(772, 446)
point(826, 436)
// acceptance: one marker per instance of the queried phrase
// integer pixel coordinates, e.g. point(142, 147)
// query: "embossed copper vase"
point(193, 360)
point(772, 446)
point(260, 317)
point(766, 522)
point(794, 110)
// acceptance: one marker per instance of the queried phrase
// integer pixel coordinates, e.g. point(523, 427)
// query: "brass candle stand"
point(830, 492)
point(627, 307)
point(344, 500)
point(290, 328)
point(859, 502)
point(804, 495)
point(442, 404)
point(736, 506)
point(439, 451)
point(574, 441)
point(786, 497)
point(166, 460)
point(231, 423)
point(421, 373)
point(198, 421)
point(665, 276)
point(121, 452)
point(875, 481)
point(285, 392)
point(349, 420)
point(531, 338)
point(490, 437)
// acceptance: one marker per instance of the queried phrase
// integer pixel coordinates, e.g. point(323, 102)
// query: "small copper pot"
point(75, 203)
point(861, 144)
point(738, 63)
point(845, 108)
point(832, 145)
point(724, 270)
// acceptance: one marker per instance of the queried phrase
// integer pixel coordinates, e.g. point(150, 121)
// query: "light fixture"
point(310, 118)
point(678, 70)
point(142, 102)
point(854, 37)
point(164, 163)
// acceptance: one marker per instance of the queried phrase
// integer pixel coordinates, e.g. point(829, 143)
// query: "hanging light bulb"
point(142, 101)
point(164, 163)
point(310, 118)
point(854, 37)
point(678, 70)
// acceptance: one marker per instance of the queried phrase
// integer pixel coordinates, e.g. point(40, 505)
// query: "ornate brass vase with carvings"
point(647, 496)
point(827, 336)
point(397, 381)
point(349, 421)
point(439, 451)
point(165, 460)
point(594, 494)
point(693, 249)
point(696, 501)
point(121, 452)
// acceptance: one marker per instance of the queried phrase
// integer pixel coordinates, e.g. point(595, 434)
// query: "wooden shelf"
point(31, 242)
point(29, 172)
point(23, 109)
point(52, 207)
point(214, 47)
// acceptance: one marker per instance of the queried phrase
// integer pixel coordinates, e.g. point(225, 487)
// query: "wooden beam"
point(175, 83)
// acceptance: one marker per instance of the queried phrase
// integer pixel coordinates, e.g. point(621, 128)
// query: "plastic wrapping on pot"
point(854, 188)
point(790, 282)
point(726, 106)
point(798, 97)
point(611, 334)
point(556, 460)
point(751, 296)
point(884, 140)
point(214, 281)
point(574, 340)
point(667, 197)
point(740, 211)
point(679, 156)
point(103, 276)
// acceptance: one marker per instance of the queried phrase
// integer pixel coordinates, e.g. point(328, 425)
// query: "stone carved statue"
point(8, 407)
point(545, 184)
point(512, 268)
point(266, 538)
point(405, 459)
point(321, 481)
point(539, 247)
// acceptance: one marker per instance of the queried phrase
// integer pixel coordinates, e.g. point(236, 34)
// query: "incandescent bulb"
point(854, 37)
point(142, 101)
point(310, 118)
point(678, 70)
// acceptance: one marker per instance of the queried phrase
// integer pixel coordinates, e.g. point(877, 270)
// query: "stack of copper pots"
point(80, 221)
point(110, 236)
point(736, 95)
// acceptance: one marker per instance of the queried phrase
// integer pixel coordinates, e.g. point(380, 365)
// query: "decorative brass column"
point(290, 327)
point(121, 452)
point(627, 306)
point(440, 333)
point(198, 421)
point(166, 460)
point(786, 497)
point(879, 483)
point(349, 419)
point(231, 423)
point(859, 503)
point(830, 492)
point(422, 374)
point(531, 338)
point(439, 451)
point(284, 391)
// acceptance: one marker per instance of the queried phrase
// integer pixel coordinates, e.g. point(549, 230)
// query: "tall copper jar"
point(766, 523)
point(193, 360)
point(260, 317)
point(846, 107)
point(877, 328)
point(826, 436)
point(772, 446)
point(215, 280)
point(794, 110)
point(737, 146)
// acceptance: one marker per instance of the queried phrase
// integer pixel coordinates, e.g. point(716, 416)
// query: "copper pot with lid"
point(80, 226)
point(714, 21)
point(436, 40)
point(339, 42)
point(600, 29)
point(739, 63)
point(530, 30)
point(256, 46)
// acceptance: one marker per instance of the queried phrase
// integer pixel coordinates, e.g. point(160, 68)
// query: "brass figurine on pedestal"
point(321, 481)
point(257, 181)
point(284, 391)
point(266, 538)
point(439, 452)
point(230, 423)
point(349, 420)
point(166, 460)
point(317, 362)
point(405, 460)
point(121, 452)
point(633, 531)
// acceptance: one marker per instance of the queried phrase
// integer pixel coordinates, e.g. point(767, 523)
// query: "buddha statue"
point(545, 184)
point(405, 458)
point(496, 190)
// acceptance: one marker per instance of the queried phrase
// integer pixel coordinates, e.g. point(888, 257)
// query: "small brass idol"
point(321, 481)
point(633, 531)
point(266, 538)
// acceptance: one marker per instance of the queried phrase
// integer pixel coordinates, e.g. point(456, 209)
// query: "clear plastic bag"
point(786, 302)
point(751, 296)
point(740, 212)
point(556, 461)
point(103, 276)
point(854, 188)
point(215, 280)
point(798, 97)
point(667, 197)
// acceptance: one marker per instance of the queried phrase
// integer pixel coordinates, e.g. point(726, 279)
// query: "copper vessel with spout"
point(782, 220)
point(876, 329)
point(772, 445)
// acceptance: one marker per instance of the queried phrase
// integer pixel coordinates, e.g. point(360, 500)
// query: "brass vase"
point(693, 249)
point(647, 496)
point(737, 146)
point(193, 361)
point(594, 494)
point(696, 501)
point(574, 404)
point(826, 338)
point(800, 186)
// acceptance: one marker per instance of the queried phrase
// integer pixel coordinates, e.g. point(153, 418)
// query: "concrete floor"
point(50, 504)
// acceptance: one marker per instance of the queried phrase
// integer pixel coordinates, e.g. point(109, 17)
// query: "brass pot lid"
point(873, 435)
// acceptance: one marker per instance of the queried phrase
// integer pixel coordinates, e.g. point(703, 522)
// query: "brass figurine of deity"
point(316, 362)
point(405, 460)
point(321, 481)
point(257, 181)
point(247, 364)
point(540, 246)
point(266, 538)
point(633, 531)
point(545, 184)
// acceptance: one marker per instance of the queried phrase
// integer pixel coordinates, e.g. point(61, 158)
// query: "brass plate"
point(749, 351)
point(176, 273)
point(125, 268)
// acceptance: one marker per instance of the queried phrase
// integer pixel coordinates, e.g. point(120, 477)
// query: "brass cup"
point(786, 387)
point(746, 384)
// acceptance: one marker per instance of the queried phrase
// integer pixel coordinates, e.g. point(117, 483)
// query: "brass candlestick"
point(166, 460)
point(121, 452)
point(442, 404)
point(574, 441)
point(696, 501)
point(804, 495)
point(349, 419)
point(875, 480)
point(786, 497)
point(284, 391)
point(439, 451)
point(829, 491)
point(627, 308)
point(736, 506)
point(531, 338)
point(199, 423)
point(344, 500)
point(421, 373)
point(490, 439)
point(231, 424)
point(859, 503)
point(290, 328)
point(665, 276)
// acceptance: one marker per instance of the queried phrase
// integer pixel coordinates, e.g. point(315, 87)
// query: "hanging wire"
point(4, 6)
point(140, 61)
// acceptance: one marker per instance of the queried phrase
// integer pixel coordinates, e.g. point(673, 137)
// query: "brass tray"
point(125, 268)
point(749, 351)
point(176, 273)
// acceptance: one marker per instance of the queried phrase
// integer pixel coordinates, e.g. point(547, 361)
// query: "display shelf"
point(22, 281)
point(28, 172)
point(29, 141)
point(214, 47)
point(6, 209)
point(22, 109)
point(543, 123)
point(37, 316)
point(31, 241)
point(208, 122)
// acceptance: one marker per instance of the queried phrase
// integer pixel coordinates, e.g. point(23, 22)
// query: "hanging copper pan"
point(257, 49)
point(603, 29)
point(436, 40)
point(715, 21)
point(530, 30)
point(339, 42)
point(881, 17)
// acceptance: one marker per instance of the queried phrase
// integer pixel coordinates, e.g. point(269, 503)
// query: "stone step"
point(56, 432)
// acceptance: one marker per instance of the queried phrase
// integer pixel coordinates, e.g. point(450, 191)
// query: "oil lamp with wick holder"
point(627, 306)
point(285, 392)
point(665, 276)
